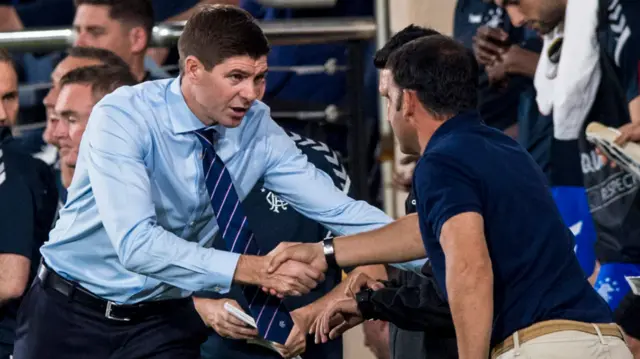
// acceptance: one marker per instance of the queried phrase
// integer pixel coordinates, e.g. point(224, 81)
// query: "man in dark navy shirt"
point(510, 276)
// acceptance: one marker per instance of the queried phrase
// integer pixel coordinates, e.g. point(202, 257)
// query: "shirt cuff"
point(221, 269)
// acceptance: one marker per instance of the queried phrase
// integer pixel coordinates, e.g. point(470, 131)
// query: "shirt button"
point(192, 224)
point(217, 289)
point(201, 155)
point(413, 202)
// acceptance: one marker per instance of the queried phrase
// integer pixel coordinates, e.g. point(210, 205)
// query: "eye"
point(237, 77)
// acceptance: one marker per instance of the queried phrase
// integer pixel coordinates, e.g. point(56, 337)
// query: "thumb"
point(374, 285)
point(278, 260)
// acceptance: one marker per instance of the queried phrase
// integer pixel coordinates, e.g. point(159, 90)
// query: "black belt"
point(110, 310)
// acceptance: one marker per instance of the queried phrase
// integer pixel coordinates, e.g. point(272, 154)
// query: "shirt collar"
point(462, 120)
point(182, 119)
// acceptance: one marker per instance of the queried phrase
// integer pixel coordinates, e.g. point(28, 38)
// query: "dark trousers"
point(50, 325)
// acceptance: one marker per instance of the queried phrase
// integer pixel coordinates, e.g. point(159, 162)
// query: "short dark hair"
point(443, 73)
point(103, 55)
point(103, 79)
point(5, 56)
point(396, 41)
point(131, 12)
point(215, 33)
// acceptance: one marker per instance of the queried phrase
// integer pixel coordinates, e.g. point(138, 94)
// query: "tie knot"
point(206, 135)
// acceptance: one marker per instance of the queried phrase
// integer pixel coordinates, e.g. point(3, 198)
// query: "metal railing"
point(279, 32)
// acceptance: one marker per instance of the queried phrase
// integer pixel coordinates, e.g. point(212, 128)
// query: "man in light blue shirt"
point(133, 240)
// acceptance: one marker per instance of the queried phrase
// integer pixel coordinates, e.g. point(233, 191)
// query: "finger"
point(339, 330)
point(292, 287)
point(236, 331)
point(312, 273)
point(229, 318)
point(487, 32)
point(302, 279)
point(374, 285)
point(482, 56)
point(279, 259)
point(622, 138)
point(488, 47)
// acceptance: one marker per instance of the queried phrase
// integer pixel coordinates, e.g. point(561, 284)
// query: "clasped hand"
point(293, 269)
point(343, 313)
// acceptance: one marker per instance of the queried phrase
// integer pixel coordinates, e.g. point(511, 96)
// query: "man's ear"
point(139, 39)
point(193, 68)
point(409, 103)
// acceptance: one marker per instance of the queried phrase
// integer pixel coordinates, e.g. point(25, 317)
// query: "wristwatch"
point(329, 252)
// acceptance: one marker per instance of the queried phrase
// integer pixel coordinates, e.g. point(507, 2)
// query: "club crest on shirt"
point(275, 202)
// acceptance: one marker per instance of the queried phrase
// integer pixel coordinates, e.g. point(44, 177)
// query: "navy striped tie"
point(273, 319)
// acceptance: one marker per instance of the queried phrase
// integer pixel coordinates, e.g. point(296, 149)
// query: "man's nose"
point(80, 39)
point(517, 17)
point(61, 130)
point(250, 92)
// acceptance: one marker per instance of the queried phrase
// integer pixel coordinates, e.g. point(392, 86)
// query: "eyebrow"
point(11, 94)
point(67, 113)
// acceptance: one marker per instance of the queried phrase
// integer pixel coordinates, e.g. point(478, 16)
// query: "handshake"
point(291, 269)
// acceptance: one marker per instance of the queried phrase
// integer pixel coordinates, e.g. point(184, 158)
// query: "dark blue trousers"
point(52, 326)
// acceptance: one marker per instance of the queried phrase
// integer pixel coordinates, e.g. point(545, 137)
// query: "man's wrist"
point(250, 270)
point(329, 252)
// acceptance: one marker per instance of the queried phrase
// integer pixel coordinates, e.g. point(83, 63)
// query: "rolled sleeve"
point(116, 148)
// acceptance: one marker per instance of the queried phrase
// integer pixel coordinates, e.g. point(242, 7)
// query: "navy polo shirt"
point(470, 167)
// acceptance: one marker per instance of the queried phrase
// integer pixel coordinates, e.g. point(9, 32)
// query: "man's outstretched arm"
point(398, 241)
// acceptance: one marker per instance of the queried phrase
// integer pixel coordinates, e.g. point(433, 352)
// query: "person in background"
point(121, 26)
point(28, 202)
point(610, 38)
point(76, 57)
point(80, 90)
point(509, 56)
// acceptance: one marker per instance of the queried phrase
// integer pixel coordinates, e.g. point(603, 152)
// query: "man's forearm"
point(470, 290)
point(399, 241)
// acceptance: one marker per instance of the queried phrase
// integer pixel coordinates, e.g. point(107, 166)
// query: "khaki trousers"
point(568, 344)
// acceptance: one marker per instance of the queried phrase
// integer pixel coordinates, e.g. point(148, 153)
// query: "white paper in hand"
point(246, 318)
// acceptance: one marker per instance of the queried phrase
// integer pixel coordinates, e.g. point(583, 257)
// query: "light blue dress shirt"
point(138, 223)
